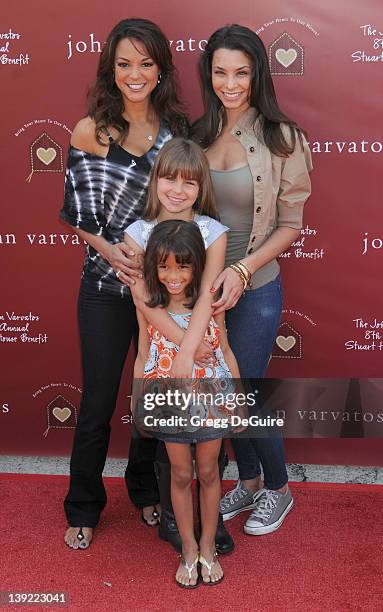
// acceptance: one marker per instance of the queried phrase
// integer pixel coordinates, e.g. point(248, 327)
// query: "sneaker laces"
point(265, 505)
point(235, 495)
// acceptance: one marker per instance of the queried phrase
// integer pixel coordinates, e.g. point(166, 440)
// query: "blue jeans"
point(252, 328)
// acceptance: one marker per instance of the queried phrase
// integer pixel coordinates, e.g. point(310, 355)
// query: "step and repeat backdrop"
point(327, 63)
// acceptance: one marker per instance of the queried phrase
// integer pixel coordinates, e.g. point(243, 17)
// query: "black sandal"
point(84, 542)
point(155, 515)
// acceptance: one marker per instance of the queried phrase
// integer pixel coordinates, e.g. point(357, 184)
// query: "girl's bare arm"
point(202, 311)
point(225, 346)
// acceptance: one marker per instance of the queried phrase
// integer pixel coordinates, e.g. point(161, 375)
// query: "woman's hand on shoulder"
point(232, 289)
point(84, 138)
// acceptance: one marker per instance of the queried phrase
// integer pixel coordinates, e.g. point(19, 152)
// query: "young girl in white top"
point(180, 188)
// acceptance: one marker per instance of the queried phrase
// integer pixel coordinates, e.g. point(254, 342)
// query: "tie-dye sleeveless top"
point(103, 196)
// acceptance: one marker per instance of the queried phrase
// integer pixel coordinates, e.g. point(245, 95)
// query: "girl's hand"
point(204, 354)
point(232, 290)
point(139, 292)
point(124, 262)
point(182, 366)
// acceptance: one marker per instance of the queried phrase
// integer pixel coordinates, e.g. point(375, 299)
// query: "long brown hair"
point(105, 102)
point(184, 239)
point(262, 93)
point(185, 157)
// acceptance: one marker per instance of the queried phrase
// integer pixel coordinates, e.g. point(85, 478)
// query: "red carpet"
point(328, 555)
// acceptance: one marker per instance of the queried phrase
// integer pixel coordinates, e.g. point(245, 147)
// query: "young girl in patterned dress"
point(180, 189)
point(173, 267)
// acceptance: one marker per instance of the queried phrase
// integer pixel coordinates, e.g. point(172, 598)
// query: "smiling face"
point(176, 277)
point(136, 74)
point(231, 78)
point(177, 196)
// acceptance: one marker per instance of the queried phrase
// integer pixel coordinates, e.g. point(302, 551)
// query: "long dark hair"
point(184, 239)
point(105, 102)
point(262, 94)
point(185, 157)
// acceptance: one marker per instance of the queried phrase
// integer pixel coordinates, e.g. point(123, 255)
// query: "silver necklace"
point(147, 136)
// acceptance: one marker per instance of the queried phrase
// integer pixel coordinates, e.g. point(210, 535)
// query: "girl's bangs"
point(176, 162)
point(182, 254)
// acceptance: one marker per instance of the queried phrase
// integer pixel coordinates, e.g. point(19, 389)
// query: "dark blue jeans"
point(252, 328)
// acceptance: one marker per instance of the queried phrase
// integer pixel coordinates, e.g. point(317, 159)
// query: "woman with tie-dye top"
point(133, 110)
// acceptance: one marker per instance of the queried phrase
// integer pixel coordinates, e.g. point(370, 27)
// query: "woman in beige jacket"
point(260, 163)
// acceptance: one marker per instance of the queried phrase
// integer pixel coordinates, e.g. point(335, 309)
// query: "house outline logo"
point(288, 343)
point(61, 414)
point(45, 155)
point(286, 56)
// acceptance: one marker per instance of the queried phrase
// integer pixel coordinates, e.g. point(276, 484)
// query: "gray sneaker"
point(238, 500)
point(269, 512)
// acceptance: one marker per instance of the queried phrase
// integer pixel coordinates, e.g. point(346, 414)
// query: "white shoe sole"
point(229, 515)
point(269, 528)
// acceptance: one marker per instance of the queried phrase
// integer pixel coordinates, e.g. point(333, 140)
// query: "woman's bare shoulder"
point(84, 137)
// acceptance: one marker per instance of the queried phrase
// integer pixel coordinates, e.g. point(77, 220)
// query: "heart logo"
point(286, 342)
point(46, 155)
point(61, 414)
point(286, 57)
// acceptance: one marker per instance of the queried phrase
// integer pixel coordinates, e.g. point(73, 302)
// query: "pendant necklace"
point(147, 136)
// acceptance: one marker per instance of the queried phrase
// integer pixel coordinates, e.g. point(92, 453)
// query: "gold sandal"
point(209, 567)
point(189, 569)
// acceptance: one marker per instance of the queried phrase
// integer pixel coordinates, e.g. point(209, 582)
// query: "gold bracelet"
point(234, 267)
point(240, 274)
point(243, 268)
point(239, 270)
point(245, 271)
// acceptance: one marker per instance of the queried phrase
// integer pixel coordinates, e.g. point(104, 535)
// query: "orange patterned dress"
point(162, 352)
point(210, 381)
